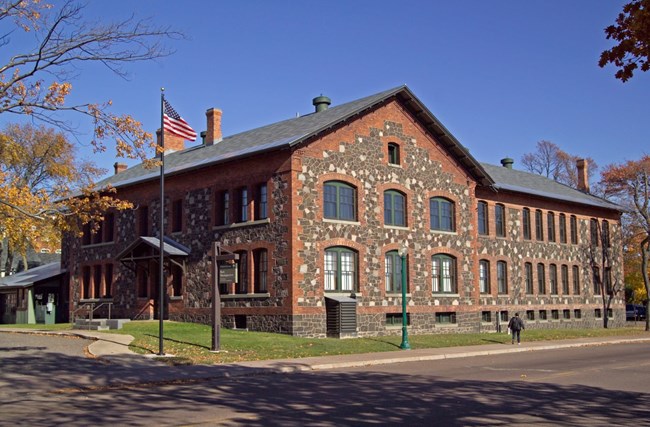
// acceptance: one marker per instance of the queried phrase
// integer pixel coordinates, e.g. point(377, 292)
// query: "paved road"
point(604, 385)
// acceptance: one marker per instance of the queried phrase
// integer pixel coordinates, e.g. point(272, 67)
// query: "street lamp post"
point(405, 337)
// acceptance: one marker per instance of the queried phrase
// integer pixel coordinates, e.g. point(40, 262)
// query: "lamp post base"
point(405, 340)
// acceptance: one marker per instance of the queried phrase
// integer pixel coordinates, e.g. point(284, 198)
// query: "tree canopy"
point(551, 161)
point(629, 185)
point(632, 32)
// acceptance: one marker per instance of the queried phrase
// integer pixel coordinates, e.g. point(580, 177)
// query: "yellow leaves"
point(56, 93)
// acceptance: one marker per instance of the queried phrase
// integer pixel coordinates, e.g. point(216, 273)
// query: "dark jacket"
point(516, 324)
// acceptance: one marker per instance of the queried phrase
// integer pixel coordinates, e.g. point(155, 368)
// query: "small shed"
point(34, 296)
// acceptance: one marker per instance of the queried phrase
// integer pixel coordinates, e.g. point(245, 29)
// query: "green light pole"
point(405, 336)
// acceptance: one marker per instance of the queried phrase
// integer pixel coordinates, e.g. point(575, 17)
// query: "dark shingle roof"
point(529, 183)
point(288, 133)
point(31, 276)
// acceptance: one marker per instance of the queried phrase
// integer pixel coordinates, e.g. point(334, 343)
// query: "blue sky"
point(499, 75)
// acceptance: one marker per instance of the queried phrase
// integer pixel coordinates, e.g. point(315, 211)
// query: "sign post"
point(222, 273)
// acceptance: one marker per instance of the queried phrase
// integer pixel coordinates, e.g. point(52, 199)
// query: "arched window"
point(562, 228)
point(500, 220)
point(340, 269)
point(484, 276)
point(393, 153)
point(550, 223)
point(261, 266)
point(394, 208)
point(541, 279)
point(442, 214)
point(573, 223)
point(552, 273)
point(526, 223)
point(539, 226)
point(393, 272)
point(528, 269)
point(483, 227)
point(443, 268)
point(502, 277)
point(339, 201)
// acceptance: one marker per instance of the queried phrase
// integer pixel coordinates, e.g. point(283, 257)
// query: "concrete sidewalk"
point(114, 348)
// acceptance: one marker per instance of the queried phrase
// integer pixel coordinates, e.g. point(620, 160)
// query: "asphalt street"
point(592, 386)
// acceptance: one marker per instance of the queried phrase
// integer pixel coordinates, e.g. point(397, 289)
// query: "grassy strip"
point(190, 343)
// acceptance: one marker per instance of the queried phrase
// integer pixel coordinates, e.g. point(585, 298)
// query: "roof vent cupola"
point(321, 103)
point(507, 162)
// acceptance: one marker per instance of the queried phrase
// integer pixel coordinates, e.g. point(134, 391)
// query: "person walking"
point(516, 325)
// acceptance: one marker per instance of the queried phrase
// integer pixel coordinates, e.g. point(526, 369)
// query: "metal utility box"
point(341, 317)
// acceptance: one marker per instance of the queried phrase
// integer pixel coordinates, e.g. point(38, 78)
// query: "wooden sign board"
point(227, 273)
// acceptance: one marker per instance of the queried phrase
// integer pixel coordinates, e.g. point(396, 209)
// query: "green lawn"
point(190, 343)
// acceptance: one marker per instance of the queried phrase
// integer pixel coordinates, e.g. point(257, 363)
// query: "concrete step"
point(100, 324)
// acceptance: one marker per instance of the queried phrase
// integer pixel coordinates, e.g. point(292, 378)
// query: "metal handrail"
point(145, 307)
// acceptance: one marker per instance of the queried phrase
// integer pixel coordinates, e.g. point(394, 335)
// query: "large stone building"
point(318, 207)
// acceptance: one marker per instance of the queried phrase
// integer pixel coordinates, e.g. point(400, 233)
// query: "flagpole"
point(162, 224)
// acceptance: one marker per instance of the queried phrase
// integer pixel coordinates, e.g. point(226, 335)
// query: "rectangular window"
point(573, 222)
point(542, 315)
point(502, 277)
point(598, 313)
point(86, 238)
point(484, 276)
point(597, 280)
point(261, 270)
point(242, 271)
point(504, 316)
point(483, 228)
point(97, 236)
point(108, 280)
point(566, 314)
point(393, 154)
point(577, 313)
point(446, 317)
point(550, 223)
point(539, 226)
point(143, 220)
point(541, 279)
point(243, 204)
point(528, 271)
point(562, 228)
point(593, 224)
point(177, 215)
point(225, 208)
point(395, 319)
point(85, 282)
point(97, 281)
point(552, 274)
point(565, 279)
point(500, 220)
point(486, 316)
point(555, 314)
point(261, 203)
point(576, 280)
point(526, 223)
point(393, 272)
point(109, 227)
point(530, 315)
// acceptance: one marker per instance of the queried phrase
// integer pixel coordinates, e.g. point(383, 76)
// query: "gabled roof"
point(529, 183)
point(27, 278)
point(170, 247)
point(288, 133)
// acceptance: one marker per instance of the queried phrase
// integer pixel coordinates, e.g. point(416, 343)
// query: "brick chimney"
point(583, 175)
point(172, 142)
point(119, 167)
point(213, 134)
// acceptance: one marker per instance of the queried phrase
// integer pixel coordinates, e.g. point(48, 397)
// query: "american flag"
point(174, 123)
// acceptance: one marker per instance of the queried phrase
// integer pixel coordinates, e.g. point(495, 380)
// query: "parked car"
point(635, 312)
